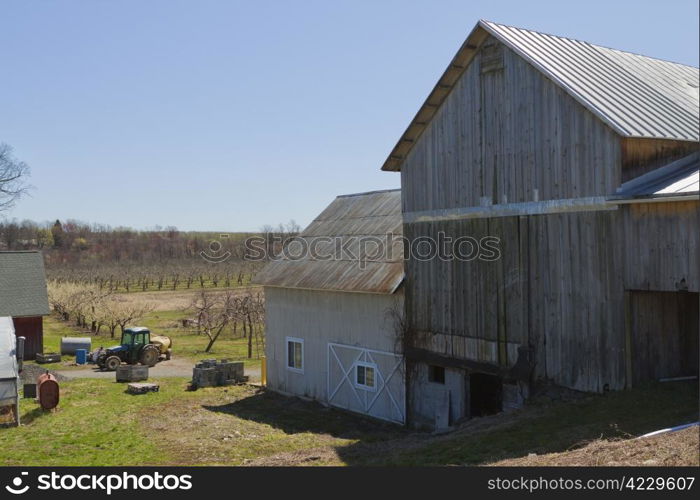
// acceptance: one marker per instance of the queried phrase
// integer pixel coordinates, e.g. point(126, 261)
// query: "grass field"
point(98, 424)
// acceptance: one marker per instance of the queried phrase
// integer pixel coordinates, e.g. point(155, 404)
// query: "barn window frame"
point(362, 367)
point(289, 341)
point(436, 374)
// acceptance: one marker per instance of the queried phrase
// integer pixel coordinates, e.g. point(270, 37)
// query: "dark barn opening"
point(664, 335)
point(485, 394)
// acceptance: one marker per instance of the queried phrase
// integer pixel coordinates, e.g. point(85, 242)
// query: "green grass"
point(559, 427)
point(96, 423)
point(186, 342)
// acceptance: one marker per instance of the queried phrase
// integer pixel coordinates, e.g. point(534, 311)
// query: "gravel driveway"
point(175, 367)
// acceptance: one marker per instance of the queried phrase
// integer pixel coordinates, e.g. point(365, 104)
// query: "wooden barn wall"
point(664, 341)
point(502, 133)
point(662, 246)
point(557, 288)
point(32, 329)
point(640, 156)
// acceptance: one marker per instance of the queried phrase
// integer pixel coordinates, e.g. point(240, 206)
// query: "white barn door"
point(378, 390)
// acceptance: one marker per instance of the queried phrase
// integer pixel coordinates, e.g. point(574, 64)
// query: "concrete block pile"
point(211, 373)
point(132, 373)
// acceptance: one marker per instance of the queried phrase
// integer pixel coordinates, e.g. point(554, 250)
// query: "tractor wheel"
point(112, 363)
point(168, 354)
point(149, 355)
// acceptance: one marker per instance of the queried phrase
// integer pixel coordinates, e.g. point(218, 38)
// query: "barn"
point(23, 296)
point(334, 303)
point(582, 163)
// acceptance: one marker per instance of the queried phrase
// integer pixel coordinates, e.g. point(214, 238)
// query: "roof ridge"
point(486, 21)
point(350, 195)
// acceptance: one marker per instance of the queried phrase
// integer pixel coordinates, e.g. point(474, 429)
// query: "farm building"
point(583, 162)
point(332, 305)
point(23, 296)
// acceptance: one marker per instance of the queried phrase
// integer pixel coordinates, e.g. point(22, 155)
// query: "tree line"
point(127, 260)
point(93, 309)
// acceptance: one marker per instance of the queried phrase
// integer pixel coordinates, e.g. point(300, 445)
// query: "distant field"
point(179, 300)
point(164, 320)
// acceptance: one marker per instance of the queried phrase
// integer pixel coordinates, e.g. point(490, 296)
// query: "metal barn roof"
point(680, 178)
point(345, 224)
point(22, 284)
point(637, 96)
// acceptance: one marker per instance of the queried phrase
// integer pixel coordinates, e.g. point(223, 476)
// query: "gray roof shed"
point(343, 248)
point(23, 284)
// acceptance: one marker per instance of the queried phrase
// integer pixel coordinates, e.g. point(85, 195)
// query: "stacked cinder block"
point(210, 373)
point(142, 388)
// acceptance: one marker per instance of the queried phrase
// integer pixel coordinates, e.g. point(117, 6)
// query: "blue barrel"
point(81, 356)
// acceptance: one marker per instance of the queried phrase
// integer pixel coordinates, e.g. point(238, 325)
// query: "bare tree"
point(214, 313)
point(13, 174)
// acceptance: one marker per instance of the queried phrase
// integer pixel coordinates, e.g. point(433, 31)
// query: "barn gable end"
point(530, 145)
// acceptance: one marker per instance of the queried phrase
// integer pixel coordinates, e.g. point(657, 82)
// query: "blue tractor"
point(137, 346)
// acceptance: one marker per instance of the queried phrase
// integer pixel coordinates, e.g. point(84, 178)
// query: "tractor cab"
point(133, 339)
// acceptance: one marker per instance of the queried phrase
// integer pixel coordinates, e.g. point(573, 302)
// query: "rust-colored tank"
point(47, 391)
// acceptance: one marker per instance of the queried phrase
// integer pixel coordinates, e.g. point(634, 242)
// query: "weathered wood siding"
point(663, 246)
point(501, 133)
point(640, 156)
point(664, 341)
point(556, 288)
point(504, 132)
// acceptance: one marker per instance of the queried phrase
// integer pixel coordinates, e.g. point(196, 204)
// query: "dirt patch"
point(314, 457)
point(680, 448)
point(175, 367)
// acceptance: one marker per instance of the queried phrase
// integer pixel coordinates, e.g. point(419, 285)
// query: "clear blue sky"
point(227, 115)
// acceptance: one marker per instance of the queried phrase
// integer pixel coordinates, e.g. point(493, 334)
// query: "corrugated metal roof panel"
point(344, 224)
point(637, 96)
point(681, 177)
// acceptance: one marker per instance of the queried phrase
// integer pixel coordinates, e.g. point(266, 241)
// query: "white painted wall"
point(321, 318)
point(427, 398)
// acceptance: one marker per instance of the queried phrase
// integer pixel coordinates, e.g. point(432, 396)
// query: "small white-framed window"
point(366, 376)
point(295, 354)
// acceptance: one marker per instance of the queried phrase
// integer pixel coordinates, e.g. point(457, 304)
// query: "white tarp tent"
point(9, 381)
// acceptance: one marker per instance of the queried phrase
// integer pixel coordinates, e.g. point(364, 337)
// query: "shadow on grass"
point(33, 415)
point(544, 427)
point(548, 427)
point(293, 415)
